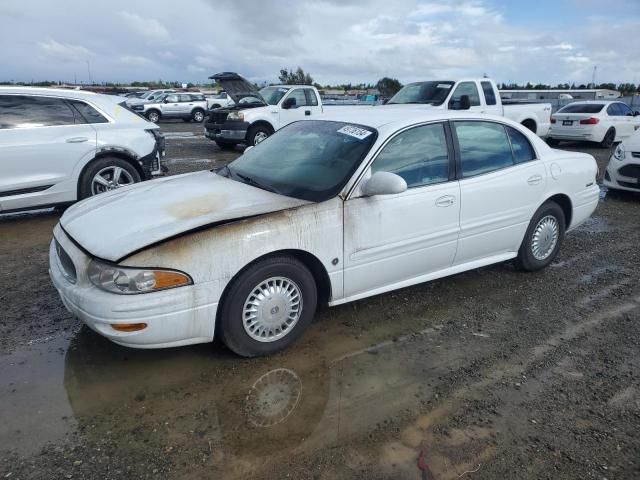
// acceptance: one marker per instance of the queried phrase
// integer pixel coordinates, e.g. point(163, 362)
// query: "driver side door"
point(299, 111)
point(391, 241)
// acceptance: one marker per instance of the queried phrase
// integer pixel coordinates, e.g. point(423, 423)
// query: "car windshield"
point(433, 93)
point(273, 95)
point(311, 160)
point(582, 108)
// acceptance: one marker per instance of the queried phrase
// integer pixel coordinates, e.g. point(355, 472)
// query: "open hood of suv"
point(237, 87)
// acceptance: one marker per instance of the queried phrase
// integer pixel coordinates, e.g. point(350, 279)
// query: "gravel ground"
point(489, 374)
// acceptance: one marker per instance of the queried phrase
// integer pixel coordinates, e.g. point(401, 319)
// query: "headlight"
point(235, 116)
point(619, 153)
point(127, 280)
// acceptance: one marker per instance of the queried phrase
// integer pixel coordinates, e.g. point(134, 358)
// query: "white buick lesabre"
point(331, 210)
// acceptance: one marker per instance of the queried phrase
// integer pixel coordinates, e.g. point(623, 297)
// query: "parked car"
point(187, 106)
point(255, 114)
point(594, 121)
point(149, 96)
point(218, 100)
point(623, 170)
point(478, 95)
point(324, 211)
point(58, 146)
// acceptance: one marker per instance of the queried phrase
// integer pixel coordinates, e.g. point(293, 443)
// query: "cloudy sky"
point(337, 41)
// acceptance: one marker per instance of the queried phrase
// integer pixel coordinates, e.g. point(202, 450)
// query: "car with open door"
point(325, 211)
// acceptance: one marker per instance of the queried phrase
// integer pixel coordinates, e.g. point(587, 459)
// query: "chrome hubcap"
point(198, 116)
point(273, 397)
point(110, 178)
point(153, 117)
point(260, 137)
point(545, 237)
point(272, 309)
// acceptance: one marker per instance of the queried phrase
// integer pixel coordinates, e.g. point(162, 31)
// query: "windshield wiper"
point(255, 183)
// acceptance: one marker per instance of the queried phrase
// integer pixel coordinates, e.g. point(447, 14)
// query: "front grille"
point(217, 117)
point(629, 185)
point(632, 171)
point(68, 269)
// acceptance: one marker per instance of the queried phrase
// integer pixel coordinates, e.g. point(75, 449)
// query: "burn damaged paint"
point(215, 255)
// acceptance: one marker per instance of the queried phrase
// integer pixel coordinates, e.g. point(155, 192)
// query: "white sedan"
point(328, 211)
point(594, 121)
point(623, 171)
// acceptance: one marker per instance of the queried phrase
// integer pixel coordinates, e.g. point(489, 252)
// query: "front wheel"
point(544, 236)
point(198, 115)
point(106, 174)
point(268, 307)
point(153, 116)
point(257, 134)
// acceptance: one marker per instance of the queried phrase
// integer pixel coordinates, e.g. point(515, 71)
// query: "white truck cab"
point(257, 114)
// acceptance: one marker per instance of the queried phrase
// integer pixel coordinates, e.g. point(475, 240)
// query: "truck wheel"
point(268, 306)
point(257, 134)
point(153, 116)
point(544, 236)
point(105, 174)
point(197, 115)
point(225, 145)
point(609, 138)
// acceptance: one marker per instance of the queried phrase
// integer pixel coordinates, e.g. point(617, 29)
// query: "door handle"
point(307, 112)
point(77, 140)
point(534, 180)
point(445, 201)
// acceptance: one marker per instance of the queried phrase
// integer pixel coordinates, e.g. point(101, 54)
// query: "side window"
point(484, 147)
point(465, 88)
point(171, 98)
point(612, 110)
point(522, 149)
point(312, 98)
point(489, 94)
point(299, 96)
point(418, 155)
point(23, 111)
point(88, 113)
point(624, 109)
point(184, 98)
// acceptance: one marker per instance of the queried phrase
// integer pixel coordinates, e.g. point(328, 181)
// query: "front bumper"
point(152, 164)
point(229, 131)
point(622, 175)
point(175, 317)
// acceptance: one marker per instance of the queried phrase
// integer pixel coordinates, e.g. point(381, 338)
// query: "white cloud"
point(63, 51)
point(145, 26)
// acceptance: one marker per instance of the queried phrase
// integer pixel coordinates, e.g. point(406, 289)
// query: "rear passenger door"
point(501, 185)
point(42, 139)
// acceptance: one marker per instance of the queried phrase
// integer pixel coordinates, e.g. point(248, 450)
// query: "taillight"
point(590, 121)
point(553, 120)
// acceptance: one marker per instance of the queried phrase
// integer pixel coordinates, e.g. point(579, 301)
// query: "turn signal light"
point(128, 327)
point(590, 121)
point(166, 279)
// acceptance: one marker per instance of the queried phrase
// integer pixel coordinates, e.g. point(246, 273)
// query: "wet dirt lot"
point(490, 374)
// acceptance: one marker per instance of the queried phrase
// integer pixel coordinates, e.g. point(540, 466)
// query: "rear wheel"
point(268, 307)
point(226, 145)
point(609, 138)
point(543, 238)
point(106, 174)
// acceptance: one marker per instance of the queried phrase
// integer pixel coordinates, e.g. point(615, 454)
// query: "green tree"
point(299, 77)
point(388, 87)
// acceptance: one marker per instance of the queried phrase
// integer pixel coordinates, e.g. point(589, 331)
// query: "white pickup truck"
point(476, 95)
point(257, 114)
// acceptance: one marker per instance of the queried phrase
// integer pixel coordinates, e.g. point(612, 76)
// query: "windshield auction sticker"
point(357, 132)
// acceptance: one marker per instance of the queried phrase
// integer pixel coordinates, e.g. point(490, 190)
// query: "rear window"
point(582, 108)
point(489, 94)
point(90, 114)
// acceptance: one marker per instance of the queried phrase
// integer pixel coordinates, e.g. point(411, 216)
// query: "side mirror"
point(384, 183)
point(166, 100)
point(289, 103)
point(465, 103)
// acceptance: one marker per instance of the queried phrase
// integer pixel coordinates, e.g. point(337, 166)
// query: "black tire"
point(609, 138)
point(226, 145)
point(153, 116)
point(258, 133)
point(526, 259)
point(93, 168)
point(552, 142)
point(198, 115)
point(530, 125)
point(230, 321)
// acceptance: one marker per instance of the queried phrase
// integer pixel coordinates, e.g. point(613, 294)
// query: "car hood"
point(113, 225)
point(236, 86)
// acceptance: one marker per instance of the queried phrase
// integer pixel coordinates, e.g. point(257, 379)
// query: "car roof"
point(58, 92)
point(381, 115)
